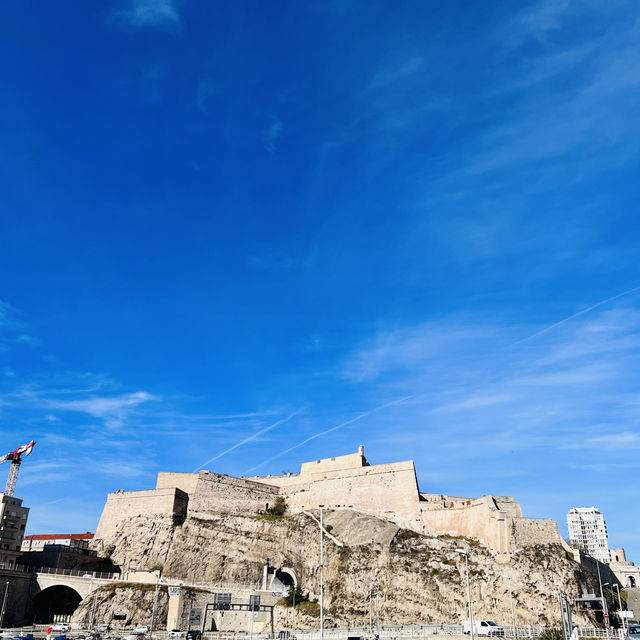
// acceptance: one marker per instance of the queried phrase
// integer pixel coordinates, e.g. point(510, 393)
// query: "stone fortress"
point(388, 491)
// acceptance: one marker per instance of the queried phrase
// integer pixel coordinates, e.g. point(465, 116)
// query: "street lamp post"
point(159, 581)
point(466, 564)
point(4, 604)
point(605, 608)
point(321, 574)
point(624, 626)
point(93, 606)
point(513, 611)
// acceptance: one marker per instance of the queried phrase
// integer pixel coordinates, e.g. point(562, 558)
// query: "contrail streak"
point(247, 439)
point(323, 433)
point(571, 317)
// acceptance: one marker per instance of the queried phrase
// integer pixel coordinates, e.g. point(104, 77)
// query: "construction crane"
point(16, 459)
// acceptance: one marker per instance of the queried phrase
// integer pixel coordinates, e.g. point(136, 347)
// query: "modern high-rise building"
point(588, 532)
point(13, 521)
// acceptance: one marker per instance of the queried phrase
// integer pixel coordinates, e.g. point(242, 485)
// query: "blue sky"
point(228, 228)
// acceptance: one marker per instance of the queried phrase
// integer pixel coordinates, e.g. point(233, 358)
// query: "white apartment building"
point(588, 532)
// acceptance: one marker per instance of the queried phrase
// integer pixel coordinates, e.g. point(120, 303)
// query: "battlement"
point(336, 464)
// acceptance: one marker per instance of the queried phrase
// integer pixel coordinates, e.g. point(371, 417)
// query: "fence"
point(78, 572)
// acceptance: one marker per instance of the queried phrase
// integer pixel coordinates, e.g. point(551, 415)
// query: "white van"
point(483, 628)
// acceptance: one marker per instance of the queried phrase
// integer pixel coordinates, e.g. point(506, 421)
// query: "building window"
point(222, 601)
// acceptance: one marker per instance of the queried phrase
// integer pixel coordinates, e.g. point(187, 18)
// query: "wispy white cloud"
point(249, 438)
point(113, 409)
point(325, 432)
point(14, 329)
point(272, 136)
point(622, 440)
point(205, 91)
point(151, 13)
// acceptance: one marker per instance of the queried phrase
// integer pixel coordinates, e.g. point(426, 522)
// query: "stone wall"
point(186, 482)
point(529, 531)
point(338, 463)
point(481, 520)
point(220, 494)
point(122, 505)
point(388, 490)
point(18, 597)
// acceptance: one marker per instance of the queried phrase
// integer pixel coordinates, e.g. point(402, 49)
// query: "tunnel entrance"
point(55, 603)
point(282, 580)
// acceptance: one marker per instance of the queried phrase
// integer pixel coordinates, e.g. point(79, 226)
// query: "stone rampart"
point(481, 520)
point(123, 505)
point(528, 532)
point(184, 481)
point(387, 490)
point(338, 463)
point(217, 493)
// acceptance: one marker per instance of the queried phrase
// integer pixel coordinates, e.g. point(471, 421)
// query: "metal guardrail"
point(386, 632)
point(78, 573)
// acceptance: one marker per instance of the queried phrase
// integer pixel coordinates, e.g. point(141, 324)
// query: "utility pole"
point(4, 604)
point(624, 626)
point(321, 575)
point(466, 564)
point(155, 604)
point(605, 608)
point(513, 611)
point(93, 606)
point(377, 610)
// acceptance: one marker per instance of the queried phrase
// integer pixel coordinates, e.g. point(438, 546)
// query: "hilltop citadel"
point(388, 491)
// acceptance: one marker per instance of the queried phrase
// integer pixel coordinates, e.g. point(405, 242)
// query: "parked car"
point(61, 626)
point(634, 632)
point(176, 633)
point(103, 628)
point(143, 628)
point(483, 628)
point(193, 634)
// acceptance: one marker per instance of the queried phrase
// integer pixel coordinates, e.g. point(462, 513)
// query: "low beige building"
point(626, 572)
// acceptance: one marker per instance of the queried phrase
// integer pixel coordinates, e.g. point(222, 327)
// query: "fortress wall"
point(339, 463)
point(509, 506)
point(479, 521)
point(122, 505)
point(369, 470)
point(385, 490)
point(217, 493)
point(184, 481)
point(529, 531)
point(289, 480)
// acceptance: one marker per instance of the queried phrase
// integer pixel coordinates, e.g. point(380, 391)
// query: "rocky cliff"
point(420, 577)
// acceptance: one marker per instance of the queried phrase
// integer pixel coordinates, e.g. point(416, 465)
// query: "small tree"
point(295, 596)
point(279, 507)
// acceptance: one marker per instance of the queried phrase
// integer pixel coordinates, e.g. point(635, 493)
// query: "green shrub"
point(278, 508)
point(552, 634)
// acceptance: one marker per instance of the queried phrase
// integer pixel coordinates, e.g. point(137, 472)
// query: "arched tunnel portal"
point(54, 602)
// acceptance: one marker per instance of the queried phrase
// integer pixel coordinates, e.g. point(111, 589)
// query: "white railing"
point(386, 632)
point(79, 573)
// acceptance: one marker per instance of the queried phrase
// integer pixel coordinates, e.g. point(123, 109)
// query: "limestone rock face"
point(122, 606)
point(420, 577)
